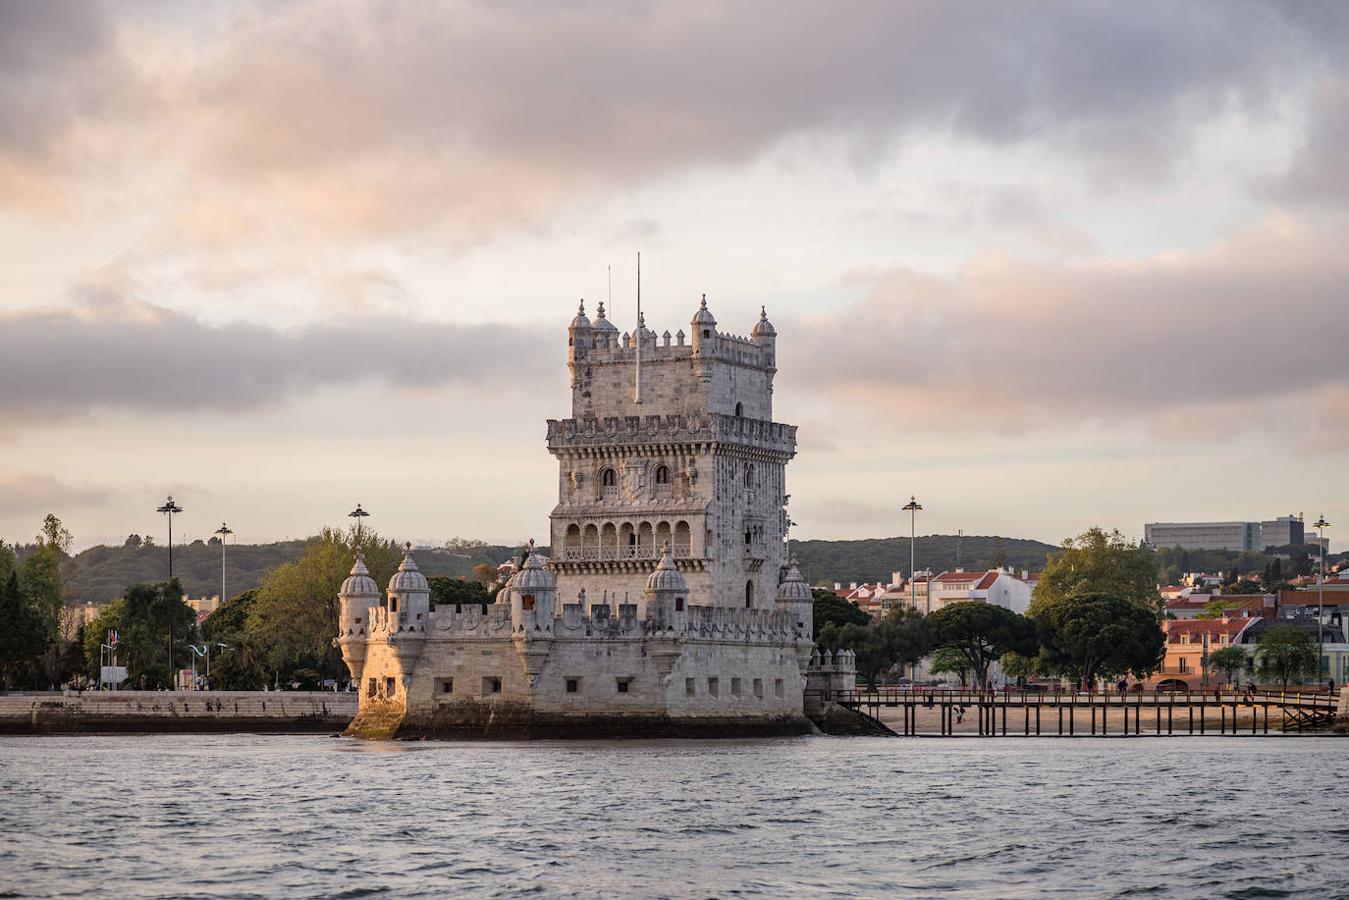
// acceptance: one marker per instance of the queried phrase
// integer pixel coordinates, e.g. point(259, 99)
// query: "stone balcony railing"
point(613, 554)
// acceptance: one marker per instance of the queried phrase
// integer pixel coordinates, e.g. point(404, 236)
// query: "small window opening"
point(393, 604)
point(623, 684)
point(707, 332)
point(573, 685)
point(679, 604)
point(390, 686)
point(609, 478)
point(758, 688)
point(739, 410)
point(689, 687)
point(735, 687)
point(662, 474)
point(527, 601)
point(446, 685)
point(779, 689)
point(491, 685)
point(372, 688)
point(713, 687)
point(749, 594)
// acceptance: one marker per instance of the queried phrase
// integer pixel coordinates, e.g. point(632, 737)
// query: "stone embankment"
point(179, 711)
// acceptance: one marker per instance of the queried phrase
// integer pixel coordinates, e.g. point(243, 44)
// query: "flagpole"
point(638, 390)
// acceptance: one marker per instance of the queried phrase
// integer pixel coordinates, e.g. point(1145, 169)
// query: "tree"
point(21, 639)
point(999, 554)
point(1230, 659)
point(1096, 635)
point(55, 535)
point(447, 591)
point(154, 627)
point(1096, 562)
point(982, 632)
point(949, 660)
point(1018, 666)
point(132, 540)
point(901, 638)
point(294, 617)
point(239, 665)
point(830, 608)
point(484, 573)
point(1286, 654)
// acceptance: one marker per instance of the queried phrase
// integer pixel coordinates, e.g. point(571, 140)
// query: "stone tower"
point(678, 449)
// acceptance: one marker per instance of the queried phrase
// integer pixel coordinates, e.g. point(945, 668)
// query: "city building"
point(1277, 532)
point(669, 608)
point(997, 586)
point(1188, 643)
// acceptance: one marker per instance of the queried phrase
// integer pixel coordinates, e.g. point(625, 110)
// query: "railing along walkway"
point(1171, 712)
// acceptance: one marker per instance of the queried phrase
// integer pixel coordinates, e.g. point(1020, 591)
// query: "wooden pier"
point(1066, 713)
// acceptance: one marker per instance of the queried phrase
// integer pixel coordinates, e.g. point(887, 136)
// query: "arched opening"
point(662, 475)
point(609, 539)
point(590, 539)
point(739, 410)
point(645, 544)
point(663, 536)
point(627, 540)
point(573, 538)
point(749, 594)
point(682, 538)
point(749, 475)
point(609, 478)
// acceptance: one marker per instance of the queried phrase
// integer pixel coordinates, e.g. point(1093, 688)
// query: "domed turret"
point(794, 596)
point(359, 594)
point(580, 338)
point(763, 328)
point(532, 593)
point(666, 595)
point(580, 321)
point(606, 335)
point(409, 594)
point(704, 328)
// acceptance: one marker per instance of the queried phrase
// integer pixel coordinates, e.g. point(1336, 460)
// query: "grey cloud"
point(1319, 172)
point(111, 353)
point(488, 111)
point(1235, 337)
point(31, 495)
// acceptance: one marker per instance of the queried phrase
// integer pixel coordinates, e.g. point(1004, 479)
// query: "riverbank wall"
point(105, 712)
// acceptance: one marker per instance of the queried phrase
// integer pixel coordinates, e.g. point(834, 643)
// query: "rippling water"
point(291, 816)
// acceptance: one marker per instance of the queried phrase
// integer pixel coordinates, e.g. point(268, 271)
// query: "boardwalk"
point(920, 712)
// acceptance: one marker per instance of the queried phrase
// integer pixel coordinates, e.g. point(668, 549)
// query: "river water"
point(307, 816)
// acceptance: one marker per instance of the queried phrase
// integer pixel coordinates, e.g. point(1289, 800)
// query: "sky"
point(1042, 265)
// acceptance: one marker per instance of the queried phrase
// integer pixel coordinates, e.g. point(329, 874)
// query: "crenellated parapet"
point(586, 432)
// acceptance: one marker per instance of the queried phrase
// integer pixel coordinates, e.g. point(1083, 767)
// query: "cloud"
point(31, 495)
point(1242, 337)
point(1319, 172)
point(111, 352)
point(369, 118)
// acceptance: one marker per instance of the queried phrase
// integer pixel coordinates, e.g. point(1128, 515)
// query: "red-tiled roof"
point(987, 581)
point(957, 577)
point(1197, 628)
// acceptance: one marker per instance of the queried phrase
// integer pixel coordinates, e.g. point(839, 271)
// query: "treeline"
point(1095, 615)
point(1293, 561)
point(875, 559)
point(31, 650)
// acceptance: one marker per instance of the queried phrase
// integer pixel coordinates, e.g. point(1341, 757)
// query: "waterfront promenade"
point(56, 712)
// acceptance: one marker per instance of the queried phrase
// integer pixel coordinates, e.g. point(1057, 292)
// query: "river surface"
point(308, 816)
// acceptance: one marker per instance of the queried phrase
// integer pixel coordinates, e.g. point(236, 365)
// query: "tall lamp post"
point(224, 531)
point(358, 514)
point(169, 508)
point(1320, 525)
point(912, 508)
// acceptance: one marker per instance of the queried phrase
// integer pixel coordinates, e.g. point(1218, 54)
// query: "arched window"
point(662, 474)
point(749, 475)
point(609, 478)
point(739, 410)
point(749, 594)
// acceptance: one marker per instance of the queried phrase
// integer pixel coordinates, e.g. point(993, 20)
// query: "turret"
point(532, 594)
point(604, 333)
point(357, 596)
point(766, 336)
point(580, 338)
point(665, 599)
point(704, 327)
point(794, 597)
point(409, 594)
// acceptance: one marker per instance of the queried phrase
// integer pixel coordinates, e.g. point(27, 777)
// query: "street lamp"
point(912, 508)
point(224, 531)
point(170, 508)
point(1320, 525)
point(358, 514)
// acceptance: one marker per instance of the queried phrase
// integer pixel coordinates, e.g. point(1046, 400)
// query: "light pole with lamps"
point(169, 508)
point(358, 514)
point(224, 531)
point(1320, 525)
point(912, 508)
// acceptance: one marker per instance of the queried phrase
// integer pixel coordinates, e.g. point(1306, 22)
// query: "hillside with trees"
point(875, 558)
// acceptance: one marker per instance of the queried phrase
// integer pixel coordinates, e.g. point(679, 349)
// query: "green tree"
point(901, 638)
point(154, 627)
point(830, 608)
point(1230, 659)
point(21, 638)
point(982, 632)
point(1019, 666)
point(447, 591)
point(1287, 654)
point(238, 666)
point(1099, 635)
point(1097, 561)
point(949, 660)
point(294, 617)
point(55, 535)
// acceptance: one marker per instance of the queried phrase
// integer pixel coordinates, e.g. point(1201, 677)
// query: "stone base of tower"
point(506, 721)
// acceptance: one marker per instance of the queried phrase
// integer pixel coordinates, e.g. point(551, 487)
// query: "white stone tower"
point(691, 458)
